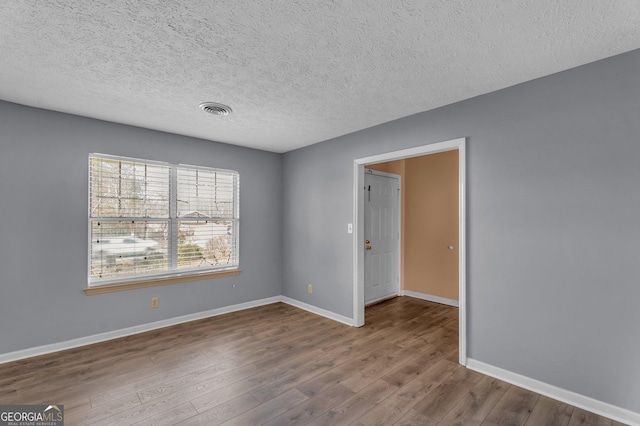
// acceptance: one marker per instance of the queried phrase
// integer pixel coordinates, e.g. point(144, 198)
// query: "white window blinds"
point(151, 219)
point(207, 212)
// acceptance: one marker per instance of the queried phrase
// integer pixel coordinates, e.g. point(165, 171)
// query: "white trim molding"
point(430, 298)
point(317, 311)
point(123, 332)
point(586, 403)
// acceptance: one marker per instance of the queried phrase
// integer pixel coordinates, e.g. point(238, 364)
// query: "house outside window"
point(151, 219)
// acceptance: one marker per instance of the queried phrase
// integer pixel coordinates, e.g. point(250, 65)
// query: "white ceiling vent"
point(215, 108)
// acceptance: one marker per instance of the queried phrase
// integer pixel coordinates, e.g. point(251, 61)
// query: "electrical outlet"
point(310, 288)
point(154, 302)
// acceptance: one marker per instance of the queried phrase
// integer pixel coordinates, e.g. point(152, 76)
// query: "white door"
point(382, 236)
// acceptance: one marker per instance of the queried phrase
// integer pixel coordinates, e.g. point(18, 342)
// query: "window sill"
point(154, 282)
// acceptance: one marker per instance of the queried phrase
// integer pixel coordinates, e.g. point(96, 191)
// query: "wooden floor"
point(277, 365)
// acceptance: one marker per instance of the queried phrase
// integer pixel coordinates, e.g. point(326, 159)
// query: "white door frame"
point(358, 247)
point(399, 218)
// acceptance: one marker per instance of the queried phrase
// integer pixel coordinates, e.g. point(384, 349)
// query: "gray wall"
point(553, 224)
point(43, 227)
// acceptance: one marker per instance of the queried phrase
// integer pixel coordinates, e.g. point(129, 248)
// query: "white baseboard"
point(430, 298)
point(382, 299)
point(317, 311)
point(110, 335)
point(586, 403)
point(97, 338)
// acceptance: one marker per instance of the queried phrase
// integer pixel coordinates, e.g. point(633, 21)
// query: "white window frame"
point(173, 271)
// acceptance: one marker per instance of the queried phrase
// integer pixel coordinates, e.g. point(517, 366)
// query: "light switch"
point(349, 228)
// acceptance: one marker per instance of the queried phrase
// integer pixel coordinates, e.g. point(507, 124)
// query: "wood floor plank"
point(224, 411)
point(414, 418)
point(476, 405)
point(140, 379)
point(581, 417)
point(210, 399)
point(267, 411)
point(550, 412)
point(413, 367)
point(354, 407)
point(395, 407)
point(91, 414)
point(437, 403)
point(514, 408)
point(293, 378)
point(313, 407)
point(277, 364)
point(341, 372)
point(398, 404)
point(170, 417)
point(259, 372)
point(382, 366)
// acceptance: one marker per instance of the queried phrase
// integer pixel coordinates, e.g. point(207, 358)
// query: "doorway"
point(359, 229)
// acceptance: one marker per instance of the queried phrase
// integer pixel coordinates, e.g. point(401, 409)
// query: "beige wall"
point(429, 222)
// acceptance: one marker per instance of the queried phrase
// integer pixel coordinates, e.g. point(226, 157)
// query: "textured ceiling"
point(295, 72)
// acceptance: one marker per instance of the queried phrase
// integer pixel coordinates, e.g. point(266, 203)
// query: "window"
point(155, 220)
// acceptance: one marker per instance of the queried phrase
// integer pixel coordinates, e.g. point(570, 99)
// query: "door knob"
point(367, 241)
point(367, 247)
